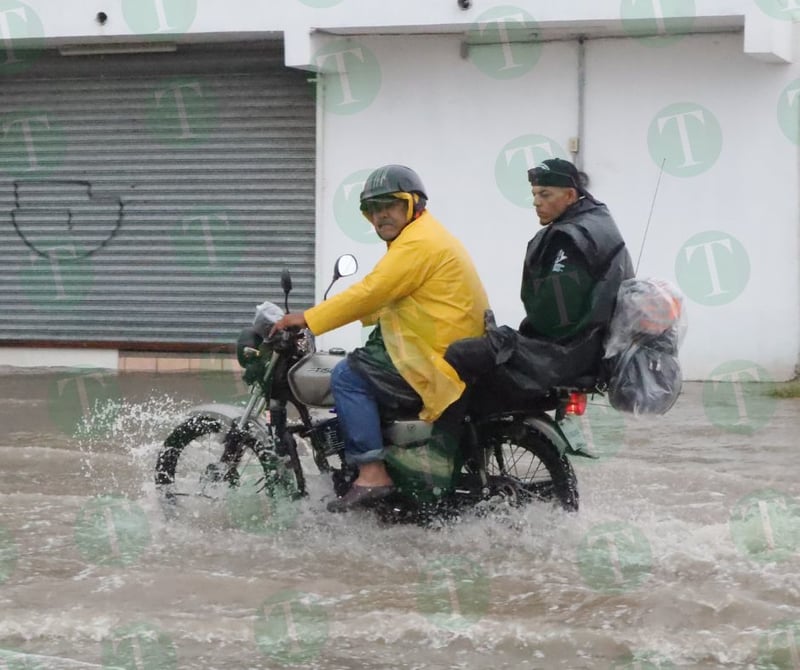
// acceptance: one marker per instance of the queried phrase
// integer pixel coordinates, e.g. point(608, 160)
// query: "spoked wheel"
point(523, 465)
point(205, 465)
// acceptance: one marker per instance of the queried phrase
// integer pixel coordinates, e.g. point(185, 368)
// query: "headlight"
point(307, 344)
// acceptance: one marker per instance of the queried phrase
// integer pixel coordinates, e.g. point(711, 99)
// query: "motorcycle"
point(514, 456)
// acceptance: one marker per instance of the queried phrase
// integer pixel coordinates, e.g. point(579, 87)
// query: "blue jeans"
point(358, 414)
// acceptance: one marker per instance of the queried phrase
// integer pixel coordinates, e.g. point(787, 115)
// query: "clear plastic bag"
point(267, 315)
point(646, 307)
point(641, 350)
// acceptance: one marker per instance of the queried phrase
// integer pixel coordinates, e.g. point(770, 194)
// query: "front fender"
point(229, 414)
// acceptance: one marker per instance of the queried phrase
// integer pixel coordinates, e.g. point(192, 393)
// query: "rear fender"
point(230, 413)
point(549, 428)
point(569, 435)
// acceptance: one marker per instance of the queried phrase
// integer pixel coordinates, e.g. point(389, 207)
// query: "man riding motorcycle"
point(423, 294)
point(571, 274)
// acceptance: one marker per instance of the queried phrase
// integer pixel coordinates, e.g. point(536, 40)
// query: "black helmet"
point(393, 179)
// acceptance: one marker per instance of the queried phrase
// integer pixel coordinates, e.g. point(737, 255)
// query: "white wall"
point(417, 100)
point(449, 120)
point(71, 21)
point(76, 17)
point(437, 113)
point(750, 193)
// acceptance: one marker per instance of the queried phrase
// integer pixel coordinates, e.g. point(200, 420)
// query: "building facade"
point(161, 161)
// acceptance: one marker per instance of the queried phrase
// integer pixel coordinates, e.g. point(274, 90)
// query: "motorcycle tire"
point(525, 465)
point(190, 465)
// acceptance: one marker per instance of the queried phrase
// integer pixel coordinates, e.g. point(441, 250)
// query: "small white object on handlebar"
point(267, 315)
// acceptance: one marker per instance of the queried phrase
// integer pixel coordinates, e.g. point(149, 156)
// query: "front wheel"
point(524, 465)
point(206, 463)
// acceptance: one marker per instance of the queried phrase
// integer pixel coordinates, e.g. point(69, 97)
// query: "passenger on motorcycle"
point(422, 295)
point(571, 273)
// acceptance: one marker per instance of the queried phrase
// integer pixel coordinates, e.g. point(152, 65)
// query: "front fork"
point(286, 447)
point(237, 439)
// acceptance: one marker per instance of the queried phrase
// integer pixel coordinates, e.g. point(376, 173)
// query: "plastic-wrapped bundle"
point(641, 350)
point(267, 315)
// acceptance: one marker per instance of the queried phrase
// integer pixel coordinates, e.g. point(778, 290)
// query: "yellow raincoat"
point(426, 294)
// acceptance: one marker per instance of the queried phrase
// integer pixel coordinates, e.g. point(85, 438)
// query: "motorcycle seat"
point(586, 384)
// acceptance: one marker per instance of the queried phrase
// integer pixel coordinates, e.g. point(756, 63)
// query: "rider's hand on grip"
point(295, 321)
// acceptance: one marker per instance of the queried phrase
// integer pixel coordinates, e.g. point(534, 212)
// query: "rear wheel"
point(205, 465)
point(523, 465)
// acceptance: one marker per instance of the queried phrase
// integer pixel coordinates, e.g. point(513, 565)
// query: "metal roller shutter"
point(153, 199)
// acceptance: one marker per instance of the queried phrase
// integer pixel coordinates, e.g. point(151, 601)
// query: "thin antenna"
point(650, 217)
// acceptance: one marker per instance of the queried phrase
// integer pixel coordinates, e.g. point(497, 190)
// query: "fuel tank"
point(310, 378)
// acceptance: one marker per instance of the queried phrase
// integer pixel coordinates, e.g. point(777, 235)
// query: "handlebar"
point(283, 339)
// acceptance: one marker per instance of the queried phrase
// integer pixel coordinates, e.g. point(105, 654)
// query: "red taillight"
point(576, 404)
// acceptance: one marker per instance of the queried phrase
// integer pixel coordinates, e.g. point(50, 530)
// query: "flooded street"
point(685, 553)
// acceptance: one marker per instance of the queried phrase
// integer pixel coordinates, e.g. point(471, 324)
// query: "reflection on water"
point(685, 552)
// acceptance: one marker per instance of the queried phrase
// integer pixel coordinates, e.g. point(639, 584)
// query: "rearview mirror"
point(345, 266)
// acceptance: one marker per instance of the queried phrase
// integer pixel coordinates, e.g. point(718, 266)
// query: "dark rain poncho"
point(572, 271)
